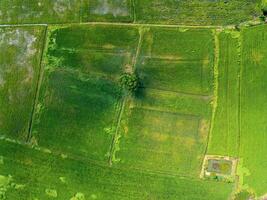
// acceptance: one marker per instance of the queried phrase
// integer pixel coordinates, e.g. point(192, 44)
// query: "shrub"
point(264, 10)
point(243, 195)
point(262, 18)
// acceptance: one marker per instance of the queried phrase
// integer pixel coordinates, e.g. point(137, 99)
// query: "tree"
point(129, 82)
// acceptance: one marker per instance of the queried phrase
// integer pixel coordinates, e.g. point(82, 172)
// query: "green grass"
point(39, 173)
point(253, 113)
point(224, 139)
point(177, 60)
point(80, 94)
point(196, 12)
point(19, 70)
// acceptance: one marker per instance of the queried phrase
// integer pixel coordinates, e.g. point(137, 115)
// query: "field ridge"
point(39, 82)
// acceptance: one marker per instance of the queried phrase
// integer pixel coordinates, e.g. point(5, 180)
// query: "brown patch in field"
point(206, 61)
point(157, 136)
point(179, 123)
point(156, 121)
point(166, 58)
point(256, 57)
point(28, 161)
point(125, 130)
point(108, 46)
point(149, 40)
point(264, 197)
point(34, 141)
point(204, 126)
point(189, 143)
point(128, 68)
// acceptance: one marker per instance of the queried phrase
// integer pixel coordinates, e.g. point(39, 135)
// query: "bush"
point(129, 82)
point(243, 195)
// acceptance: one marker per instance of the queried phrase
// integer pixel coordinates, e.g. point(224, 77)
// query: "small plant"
point(237, 28)
point(129, 81)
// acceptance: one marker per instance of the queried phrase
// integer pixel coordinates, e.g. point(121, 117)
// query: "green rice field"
point(19, 72)
point(133, 100)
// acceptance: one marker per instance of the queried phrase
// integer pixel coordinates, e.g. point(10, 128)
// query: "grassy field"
point(253, 112)
point(47, 11)
point(110, 10)
point(65, 11)
point(20, 56)
point(224, 138)
point(80, 95)
point(170, 53)
point(196, 12)
point(37, 175)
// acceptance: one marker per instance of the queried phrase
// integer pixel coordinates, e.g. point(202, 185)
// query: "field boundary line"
point(157, 172)
point(173, 59)
point(187, 116)
point(197, 96)
point(100, 50)
point(58, 155)
point(116, 135)
point(215, 88)
point(54, 152)
point(138, 49)
point(22, 25)
point(227, 100)
point(240, 41)
point(238, 183)
point(39, 81)
point(118, 24)
point(133, 5)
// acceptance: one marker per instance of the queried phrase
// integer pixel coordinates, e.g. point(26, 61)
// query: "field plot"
point(19, 71)
point(154, 138)
point(177, 60)
point(80, 95)
point(110, 10)
point(196, 11)
point(57, 178)
point(253, 108)
point(172, 102)
point(65, 11)
point(46, 11)
point(224, 139)
point(170, 115)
